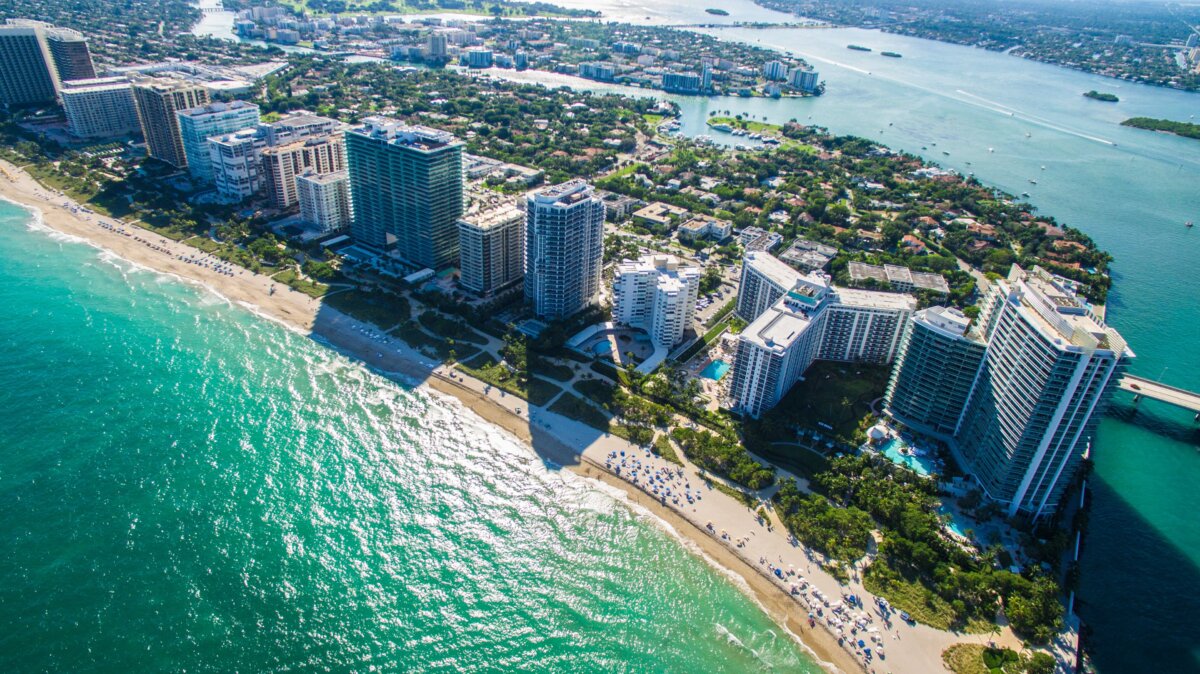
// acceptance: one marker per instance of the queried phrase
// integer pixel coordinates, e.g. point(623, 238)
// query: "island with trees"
point(1101, 96)
point(1185, 129)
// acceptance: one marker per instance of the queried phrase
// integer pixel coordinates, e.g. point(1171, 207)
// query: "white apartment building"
point(237, 161)
point(765, 278)
point(491, 249)
point(325, 199)
point(100, 108)
point(656, 293)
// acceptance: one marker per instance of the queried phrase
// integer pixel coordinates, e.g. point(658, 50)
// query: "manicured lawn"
point(573, 407)
point(836, 394)
point(485, 368)
point(309, 287)
point(550, 369)
point(441, 348)
point(382, 309)
point(453, 328)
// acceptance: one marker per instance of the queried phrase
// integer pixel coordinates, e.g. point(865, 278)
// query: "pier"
point(1145, 388)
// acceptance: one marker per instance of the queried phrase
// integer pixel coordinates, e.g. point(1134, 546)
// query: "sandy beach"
point(556, 439)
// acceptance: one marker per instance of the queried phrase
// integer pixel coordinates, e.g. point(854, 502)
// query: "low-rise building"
point(898, 278)
point(705, 227)
point(659, 216)
point(808, 255)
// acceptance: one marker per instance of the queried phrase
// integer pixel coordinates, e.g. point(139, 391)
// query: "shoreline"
point(572, 446)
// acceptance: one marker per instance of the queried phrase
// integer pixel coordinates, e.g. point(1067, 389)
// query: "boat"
point(1032, 181)
point(991, 149)
point(857, 47)
point(1189, 224)
point(890, 54)
point(945, 153)
point(722, 127)
point(1024, 194)
point(1028, 135)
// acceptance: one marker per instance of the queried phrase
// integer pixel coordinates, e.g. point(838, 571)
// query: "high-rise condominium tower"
point(406, 186)
point(564, 250)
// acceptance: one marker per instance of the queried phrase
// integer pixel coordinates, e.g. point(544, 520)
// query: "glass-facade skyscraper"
point(406, 186)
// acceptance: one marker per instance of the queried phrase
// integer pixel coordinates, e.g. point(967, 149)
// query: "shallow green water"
point(187, 487)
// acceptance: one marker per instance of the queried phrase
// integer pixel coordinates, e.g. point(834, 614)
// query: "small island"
point(891, 54)
point(1110, 98)
point(1185, 129)
point(717, 12)
point(857, 47)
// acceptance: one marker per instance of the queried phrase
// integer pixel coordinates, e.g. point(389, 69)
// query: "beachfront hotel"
point(812, 320)
point(197, 125)
point(100, 108)
point(406, 186)
point(491, 249)
point(564, 228)
point(656, 293)
point(36, 58)
point(158, 99)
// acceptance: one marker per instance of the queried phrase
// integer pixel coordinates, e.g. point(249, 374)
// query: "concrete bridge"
point(1145, 388)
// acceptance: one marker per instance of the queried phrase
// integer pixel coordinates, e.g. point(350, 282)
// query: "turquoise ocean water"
point(187, 487)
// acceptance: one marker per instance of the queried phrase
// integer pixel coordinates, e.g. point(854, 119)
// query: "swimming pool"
point(951, 520)
point(921, 465)
point(715, 370)
point(602, 348)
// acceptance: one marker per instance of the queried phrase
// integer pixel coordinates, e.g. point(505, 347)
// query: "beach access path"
point(560, 441)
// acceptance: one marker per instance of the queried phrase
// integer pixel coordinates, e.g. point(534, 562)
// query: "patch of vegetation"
point(439, 347)
point(836, 394)
point(573, 407)
point(664, 448)
point(838, 533)
point(638, 435)
point(1109, 98)
point(290, 278)
point(920, 569)
point(448, 327)
point(980, 659)
point(373, 306)
point(723, 455)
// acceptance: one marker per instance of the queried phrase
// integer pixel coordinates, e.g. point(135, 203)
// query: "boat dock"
point(1145, 388)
